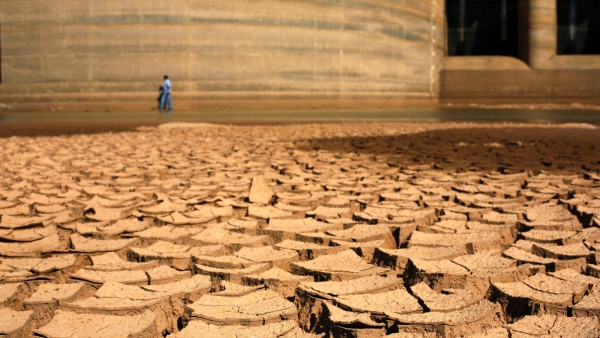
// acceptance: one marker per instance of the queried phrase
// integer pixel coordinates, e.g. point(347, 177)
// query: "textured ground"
point(337, 230)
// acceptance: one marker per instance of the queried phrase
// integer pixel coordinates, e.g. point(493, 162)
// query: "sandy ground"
point(440, 229)
point(70, 123)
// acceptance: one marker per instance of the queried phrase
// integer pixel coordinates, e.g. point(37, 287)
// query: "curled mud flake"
point(16, 323)
point(67, 324)
point(344, 265)
point(90, 245)
point(198, 329)
point(553, 325)
point(261, 306)
point(260, 191)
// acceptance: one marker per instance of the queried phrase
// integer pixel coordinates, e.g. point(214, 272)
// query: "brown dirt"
point(343, 230)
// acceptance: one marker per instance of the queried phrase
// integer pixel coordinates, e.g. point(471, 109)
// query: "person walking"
point(166, 98)
point(161, 93)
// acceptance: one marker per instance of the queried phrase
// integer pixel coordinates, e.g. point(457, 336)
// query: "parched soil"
point(314, 230)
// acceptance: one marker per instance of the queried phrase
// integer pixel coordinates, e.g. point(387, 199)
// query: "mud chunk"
point(28, 234)
point(230, 274)
point(474, 241)
point(90, 245)
point(310, 297)
point(378, 303)
point(28, 249)
point(440, 273)
point(53, 268)
point(176, 218)
point(227, 289)
point(308, 251)
point(518, 299)
point(548, 236)
point(163, 208)
point(122, 226)
point(10, 222)
point(445, 301)
point(176, 256)
point(286, 229)
point(135, 277)
point(342, 323)
point(98, 212)
point(72, 325)
point(341, 266)
point(524, 257)
point(232, 240)
point(277, 280)
point(366, 233)
point(164, 275)
point(188, 290)
point(200, 329)
point(473, 319)
point(570, 251)
point(576, 277)
point(169, 233)
point(17, 324)
point(555, 326)
point(245, 225)
point(548, 213)
point(48, 297)
point(397, 259)
point(267, 212)
point(224, 262)
point(110, 261)
point(257, 308)
point(267, 254)
point(260, 192)
point(322, 212)
point(13, 294)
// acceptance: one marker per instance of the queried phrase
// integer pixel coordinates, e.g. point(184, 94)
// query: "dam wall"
point(542, 70)
point(90, 53)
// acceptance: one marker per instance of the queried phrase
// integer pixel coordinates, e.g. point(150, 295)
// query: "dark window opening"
point(477, 27)
point(578, 27)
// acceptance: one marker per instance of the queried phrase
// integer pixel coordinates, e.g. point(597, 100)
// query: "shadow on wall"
point(480, 149)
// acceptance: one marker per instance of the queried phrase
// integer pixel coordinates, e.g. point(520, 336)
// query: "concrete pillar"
point(537, 31)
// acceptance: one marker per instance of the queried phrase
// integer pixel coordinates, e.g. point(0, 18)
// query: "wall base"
point(520, 86)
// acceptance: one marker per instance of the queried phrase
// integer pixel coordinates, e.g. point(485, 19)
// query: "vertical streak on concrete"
point(343, 24)
point(314, 51)
point(432, 50)
point(1, 48)
point(537, 18)
point(404, 81)
point(190, 57)
point(88, 55)
point(91, 17)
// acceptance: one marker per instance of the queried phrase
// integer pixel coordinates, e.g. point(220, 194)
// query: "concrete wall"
point(302, 51)
point(539, 75)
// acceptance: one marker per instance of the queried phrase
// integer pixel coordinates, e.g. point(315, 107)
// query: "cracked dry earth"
point(336, 230)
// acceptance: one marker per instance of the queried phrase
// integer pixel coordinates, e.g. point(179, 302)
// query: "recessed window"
point(578, 27)
point(482, 27)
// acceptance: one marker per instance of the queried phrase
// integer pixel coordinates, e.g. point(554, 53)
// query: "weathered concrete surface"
point(538, 75)
point(321, 51)
point(86, 54)
point(520, 86)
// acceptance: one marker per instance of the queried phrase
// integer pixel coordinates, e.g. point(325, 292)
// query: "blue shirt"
point(167, 86)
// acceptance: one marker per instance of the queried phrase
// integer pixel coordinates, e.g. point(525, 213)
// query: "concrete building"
point(91, 54)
